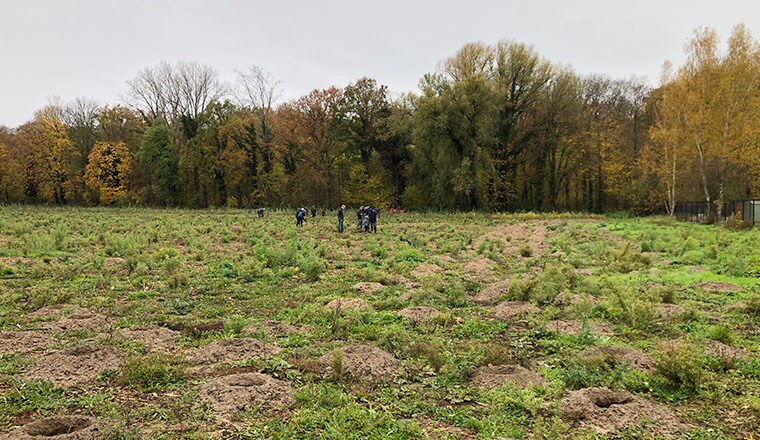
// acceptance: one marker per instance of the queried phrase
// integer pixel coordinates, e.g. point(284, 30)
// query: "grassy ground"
point(683, 297)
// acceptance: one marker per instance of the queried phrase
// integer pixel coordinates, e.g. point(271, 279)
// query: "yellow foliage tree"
point(108, 171)
point(49, 157)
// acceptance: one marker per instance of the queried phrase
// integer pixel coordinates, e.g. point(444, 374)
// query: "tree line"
point(495, 127)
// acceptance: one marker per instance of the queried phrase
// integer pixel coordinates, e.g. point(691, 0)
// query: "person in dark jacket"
point(313, 211)
point(300, 215)
point(260, 212)
point(372, 215)
point(340, 218)
point(359, 217)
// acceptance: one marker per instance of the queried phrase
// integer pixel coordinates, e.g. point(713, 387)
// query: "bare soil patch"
point(512, 309)
point(75, 366)
point(231, 394)
point(225, 351)
point(492, 293)
point(344, 304)
point(62, 428)
point(367, 288)
point(496, 375)
point(574, 327)
point(719, 286)
point(64, 318)
point(480, 269)
point(362, 362)
point(584, 272)
point(533, 235)
point(724, 351)
point(153, 337)
point(603, 411)
point(699, 269)
point(670, 311)
point(24, 342)
point(620, 356)
point(406, 282)
point(426, 270)
point(419, 313)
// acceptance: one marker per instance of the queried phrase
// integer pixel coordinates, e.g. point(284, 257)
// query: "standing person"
point(260, 212)
point(372, 214)
point(365, 220)
point(359, 217)
point(340, 218)
point(313, 211)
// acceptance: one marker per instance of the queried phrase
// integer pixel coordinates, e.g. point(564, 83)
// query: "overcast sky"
point(72, 48)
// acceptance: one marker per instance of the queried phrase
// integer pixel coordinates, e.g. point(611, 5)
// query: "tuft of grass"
point(153, 372)
point(681, 364)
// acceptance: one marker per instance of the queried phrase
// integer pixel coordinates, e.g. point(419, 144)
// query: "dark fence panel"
point(740, 212)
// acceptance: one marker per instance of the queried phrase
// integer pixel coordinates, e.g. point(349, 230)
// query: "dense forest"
point(495, 127)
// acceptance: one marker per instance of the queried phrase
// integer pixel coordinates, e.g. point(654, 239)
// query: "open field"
point(130, 324)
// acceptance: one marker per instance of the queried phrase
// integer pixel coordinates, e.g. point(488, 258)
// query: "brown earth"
point(604, 411)
point(367, 288)
point(419, 313)
point(426, 269)
point(670, 311)
point(437, 430)
point(493, 376)
point(63, 318)
point(584, 272)
point(153, 337)
point(59, 428)
point(480, 269)
point(75, 366)
point(225, 351)
point(574, 327)
point(343, 304)
point(566, 299)
point(231, 394)
point(620, 356)
point(699, 269)
point(719, 286)
point(492, 293)
point(724, 351)
point(535, 235)
point(274, 329)
point(406, 282)
point(362, 362)
point(24, 342)
point(512, 309)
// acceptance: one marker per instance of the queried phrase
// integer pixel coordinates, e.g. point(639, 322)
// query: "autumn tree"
point(11, 170)
point(108, 171)
point(49, 158)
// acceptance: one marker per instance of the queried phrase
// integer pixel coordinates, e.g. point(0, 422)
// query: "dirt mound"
point(367, 288)
point(512, 309)
point(567, 299)
point(68, 318)
point(231, 394)
point(724, 351)
point(419, 313)
point(406, 282)
point(343, 304)
point(719, 286)
point(699, 269)
point(670, 311)
point(603, 411)
point(154, 338)
point(274, 329)
point(480, 268)
point(493, 376)
point(619, 356)
point(523, 235)
point(426, 269)
point(492, 293)
point(24, 342)
point(75, 366)
point(66, 427)
point(584, 272)
point(362, 362)
point(574, 327)
point(225, 351)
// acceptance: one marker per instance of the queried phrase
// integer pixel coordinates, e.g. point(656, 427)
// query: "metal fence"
point(738, 212)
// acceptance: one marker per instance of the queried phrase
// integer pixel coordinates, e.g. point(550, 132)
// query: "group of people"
point(366, 217)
